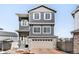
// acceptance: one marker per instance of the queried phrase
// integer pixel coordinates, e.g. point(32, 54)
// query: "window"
point(46, 29)
point(24, 23)
point(41, 39)
point(36, 29)
point(47, 16)
point(36, 16)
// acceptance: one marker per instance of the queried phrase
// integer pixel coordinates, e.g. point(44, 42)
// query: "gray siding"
point(31, 31)
point(24, 28)
point(42, 21)
point(31, 20)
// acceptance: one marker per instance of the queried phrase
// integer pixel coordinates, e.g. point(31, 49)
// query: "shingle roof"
point(22, 15)
point(5, 33)
point(42, 6)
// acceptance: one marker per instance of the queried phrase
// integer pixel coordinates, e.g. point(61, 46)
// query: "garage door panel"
point(43, 43)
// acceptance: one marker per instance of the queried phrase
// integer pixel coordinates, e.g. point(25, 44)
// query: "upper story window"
point(46, 29)
point(24, 23)
point(36, 16)
point(36, 29)
point(47, 16)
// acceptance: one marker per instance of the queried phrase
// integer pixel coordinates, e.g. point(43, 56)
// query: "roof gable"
point(44, 7)
point(75, 11)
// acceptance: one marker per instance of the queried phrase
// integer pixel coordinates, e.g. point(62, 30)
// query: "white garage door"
point(43, 43)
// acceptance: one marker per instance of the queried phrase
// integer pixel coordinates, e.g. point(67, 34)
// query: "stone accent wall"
point(76, 43)
point(42, 43)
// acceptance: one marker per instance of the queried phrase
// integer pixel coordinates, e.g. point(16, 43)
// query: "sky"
point(64, 22)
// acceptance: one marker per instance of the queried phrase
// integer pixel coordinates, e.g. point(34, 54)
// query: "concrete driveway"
point(46, 51)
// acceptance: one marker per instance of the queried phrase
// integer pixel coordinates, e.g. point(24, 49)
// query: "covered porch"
point(23, 40)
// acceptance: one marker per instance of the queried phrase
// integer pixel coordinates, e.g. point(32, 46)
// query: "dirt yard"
point(36, 51)
point(46, 51)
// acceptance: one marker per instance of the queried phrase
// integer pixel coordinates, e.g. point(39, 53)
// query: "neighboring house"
point(75, 33)
point(36, 29)
point(6, 39)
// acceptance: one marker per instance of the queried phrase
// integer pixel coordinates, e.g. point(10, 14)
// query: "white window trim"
point(48, 32)
point(34, 16)
point(45, 16)
point(37, 27)
point(24, 22)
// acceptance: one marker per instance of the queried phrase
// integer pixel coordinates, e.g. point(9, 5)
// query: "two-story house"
point(36, 29)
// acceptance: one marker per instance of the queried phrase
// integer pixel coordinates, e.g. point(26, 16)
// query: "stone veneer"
point(76, 43)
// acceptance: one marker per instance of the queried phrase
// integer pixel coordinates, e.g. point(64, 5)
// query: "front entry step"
point(22, 46)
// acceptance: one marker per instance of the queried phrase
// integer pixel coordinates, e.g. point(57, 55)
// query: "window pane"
point(36, 30)
point(24, 23)
point(47, 16)
point(47, 29)
point(36, 15)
